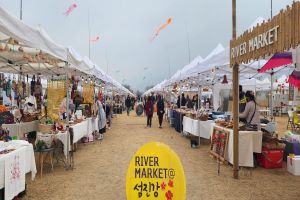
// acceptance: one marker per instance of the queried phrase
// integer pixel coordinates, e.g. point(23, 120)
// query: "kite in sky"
point(144, 78)
point(70, 9)
point(96, 39)
point(145, 68)
point(169, 21)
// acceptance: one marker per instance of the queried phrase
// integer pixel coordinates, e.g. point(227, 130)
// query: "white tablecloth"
point(249, 142)
point(29, 165)
point(196, 127)
point(19, 129)
point(92, 125)
point(80, 130)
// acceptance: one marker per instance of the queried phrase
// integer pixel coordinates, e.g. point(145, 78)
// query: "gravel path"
point(101, 167)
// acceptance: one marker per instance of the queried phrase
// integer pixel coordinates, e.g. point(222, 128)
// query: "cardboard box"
point(293, 165)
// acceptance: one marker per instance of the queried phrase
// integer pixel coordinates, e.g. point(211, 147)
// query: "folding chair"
point(296, 123)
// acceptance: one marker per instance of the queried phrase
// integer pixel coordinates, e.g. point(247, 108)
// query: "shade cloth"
point(277, 60)
point(294, 79)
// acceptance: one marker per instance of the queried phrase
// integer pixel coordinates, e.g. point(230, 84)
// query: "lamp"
point(224, 80)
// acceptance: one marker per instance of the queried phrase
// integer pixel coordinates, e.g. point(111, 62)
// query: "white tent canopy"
point(37, 39)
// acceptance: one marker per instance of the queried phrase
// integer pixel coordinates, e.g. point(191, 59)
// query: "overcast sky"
point(125, 27)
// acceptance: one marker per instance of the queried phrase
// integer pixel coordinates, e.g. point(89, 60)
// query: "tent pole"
point(68, 127)
point(199, 95)
point(271, 96)
point(235, 75)
point(199, 87)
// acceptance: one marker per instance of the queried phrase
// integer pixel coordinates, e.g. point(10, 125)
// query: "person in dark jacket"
point(128, 104)
point(195, 101)
point(160, 110)
point(242, 99)
point(183, 101)
point(189, 102)
point(178, 102)
point(149, 111)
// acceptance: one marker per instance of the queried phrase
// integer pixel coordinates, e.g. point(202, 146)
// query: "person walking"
point(108, 112)
point(160, 110)
point(149, 111)
point(101, 119)
point(128, 104)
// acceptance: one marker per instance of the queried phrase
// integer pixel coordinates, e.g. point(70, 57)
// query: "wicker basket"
point(45, 128)
point(28, 118)
point(203, 117)
point(78, 121)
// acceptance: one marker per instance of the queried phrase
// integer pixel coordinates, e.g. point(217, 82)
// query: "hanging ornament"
point(6, 48)
point(2, 47)
point(10, 41)
point(224, 80)
point(20, 49)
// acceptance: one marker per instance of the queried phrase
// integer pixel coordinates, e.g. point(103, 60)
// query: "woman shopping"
point(251, 113)
point(101, 119)
point(149, 111)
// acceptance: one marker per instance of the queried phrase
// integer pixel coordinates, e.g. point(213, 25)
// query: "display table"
point(178, 118)
point(80, 130)
point(19, 129)
point(197, 127)
point(92, 125)
point(249, 142)
point(14, 166)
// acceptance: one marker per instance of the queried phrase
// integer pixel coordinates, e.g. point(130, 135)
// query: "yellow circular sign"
point(155, 172)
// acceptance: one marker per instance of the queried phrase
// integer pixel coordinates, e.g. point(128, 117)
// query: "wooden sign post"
point(281, 33)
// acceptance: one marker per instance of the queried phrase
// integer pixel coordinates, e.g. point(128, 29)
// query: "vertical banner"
point(155, 173)
point(57, 90)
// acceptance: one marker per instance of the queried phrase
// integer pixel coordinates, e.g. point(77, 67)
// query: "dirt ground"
point(101, 167)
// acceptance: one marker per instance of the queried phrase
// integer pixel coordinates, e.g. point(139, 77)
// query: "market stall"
point(250, 142)
point(20, 129)
point(197, 127)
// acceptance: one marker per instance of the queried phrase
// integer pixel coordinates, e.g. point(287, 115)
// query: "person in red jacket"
point(149, 111)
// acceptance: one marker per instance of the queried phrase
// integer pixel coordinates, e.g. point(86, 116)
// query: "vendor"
point(251, 113)
point(242, 99)
point(189, 102)
point(195, 101)
point(78, 100)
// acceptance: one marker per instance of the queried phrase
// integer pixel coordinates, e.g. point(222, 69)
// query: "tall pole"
point(188, 42)
point(21, 9)
point(89, 34)
point(106, 58)
point(271, 9)
point(235, 85)
point(169, 75)
point(272, 73)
